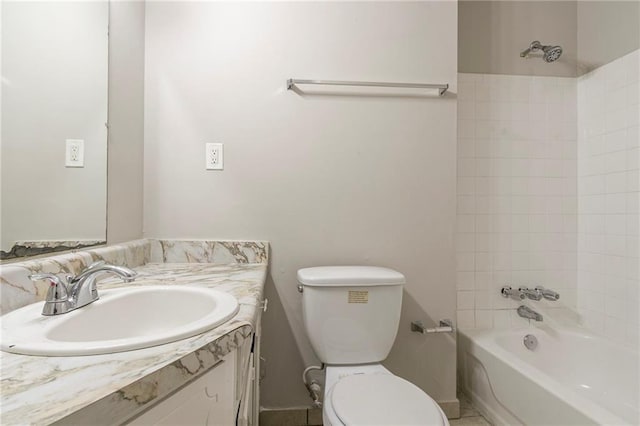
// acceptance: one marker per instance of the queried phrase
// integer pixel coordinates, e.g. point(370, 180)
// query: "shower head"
point(550, 53)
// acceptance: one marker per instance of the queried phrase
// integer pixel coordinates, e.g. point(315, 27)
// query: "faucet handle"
point(531, 294)
point(548, 294)
point(507, 292)
point(57, 291)
point(57, 299)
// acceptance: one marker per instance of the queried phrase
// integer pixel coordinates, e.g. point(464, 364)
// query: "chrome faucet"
point(531, 294)
point(526, 312)
point(508, 292)
point(548, 294)
point(57, 299)
point(80, 290)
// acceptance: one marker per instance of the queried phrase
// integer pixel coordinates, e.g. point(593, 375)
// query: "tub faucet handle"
point(531, 294)
point(507, 292)
point(548, 294)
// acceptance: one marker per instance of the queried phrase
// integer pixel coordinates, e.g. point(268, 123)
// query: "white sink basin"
point(121, 320)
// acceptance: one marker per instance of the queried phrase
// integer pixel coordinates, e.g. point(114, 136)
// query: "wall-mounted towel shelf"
point(441, 88)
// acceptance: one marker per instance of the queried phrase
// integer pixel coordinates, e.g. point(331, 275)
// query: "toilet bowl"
point(371, 395)
point(351, 314)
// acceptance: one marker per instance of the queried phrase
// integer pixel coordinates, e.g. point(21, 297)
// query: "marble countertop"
point(101, 389)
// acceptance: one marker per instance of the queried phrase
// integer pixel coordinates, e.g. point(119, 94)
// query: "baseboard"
point(451, 408)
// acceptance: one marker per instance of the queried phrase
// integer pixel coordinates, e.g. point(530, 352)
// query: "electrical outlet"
point(214, 156)
point(74, 153)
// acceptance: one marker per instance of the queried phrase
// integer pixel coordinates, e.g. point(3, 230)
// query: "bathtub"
point(571, 377)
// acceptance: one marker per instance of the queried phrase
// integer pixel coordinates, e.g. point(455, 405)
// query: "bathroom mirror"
point(53, 151)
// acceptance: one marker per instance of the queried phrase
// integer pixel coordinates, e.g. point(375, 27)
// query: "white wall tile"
point(466, 300)
point(616, 183)
point(607, 108)
point(466, 204)
point(465, 280)
point(484, 319)
point(465, 261)
point(466, 319)
point(633, 137)
point(466, 223)
point(501, 319)
point(556, 203)
point(466, 148)
point(633, 158)
point(466, 90)
point(615, 141)
point(525, 185)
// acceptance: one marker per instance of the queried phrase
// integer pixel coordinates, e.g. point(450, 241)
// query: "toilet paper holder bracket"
point(445, 326)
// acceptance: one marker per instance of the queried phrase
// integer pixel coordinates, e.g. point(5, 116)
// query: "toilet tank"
point(351, 313)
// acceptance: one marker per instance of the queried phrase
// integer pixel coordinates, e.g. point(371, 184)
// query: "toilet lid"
point(383, 399)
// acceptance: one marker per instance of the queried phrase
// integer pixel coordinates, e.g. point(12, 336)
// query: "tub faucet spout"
point(526, 312)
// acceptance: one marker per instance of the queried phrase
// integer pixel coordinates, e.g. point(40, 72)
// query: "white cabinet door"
point(208, 400)
point(245, 413)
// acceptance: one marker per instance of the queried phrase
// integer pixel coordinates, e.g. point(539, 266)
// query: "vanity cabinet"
point(208, 400)
point(226, 395)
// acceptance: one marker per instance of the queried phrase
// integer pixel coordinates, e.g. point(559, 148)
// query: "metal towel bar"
point(442, 88)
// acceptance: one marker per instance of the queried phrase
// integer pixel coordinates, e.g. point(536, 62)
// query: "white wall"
point(493, 33)
point(607, 30)
point(54, 87)
point(517, 205)
point(326, 179)
point(609, 203)
point(126, 121)
point(592, 33)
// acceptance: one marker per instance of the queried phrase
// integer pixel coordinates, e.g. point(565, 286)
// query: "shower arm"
point(533, 47)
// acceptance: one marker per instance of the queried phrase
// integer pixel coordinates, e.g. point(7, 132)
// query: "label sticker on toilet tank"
point(358, 297)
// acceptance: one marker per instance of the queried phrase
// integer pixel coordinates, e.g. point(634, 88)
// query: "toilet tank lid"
point(349, 276)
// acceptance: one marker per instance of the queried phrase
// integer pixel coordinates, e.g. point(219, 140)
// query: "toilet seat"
point(383, 399)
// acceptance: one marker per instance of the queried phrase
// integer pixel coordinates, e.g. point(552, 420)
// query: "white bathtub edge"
point(477, 344)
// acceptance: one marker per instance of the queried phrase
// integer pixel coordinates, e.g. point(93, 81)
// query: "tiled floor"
point(307, 417)
point(468, 415)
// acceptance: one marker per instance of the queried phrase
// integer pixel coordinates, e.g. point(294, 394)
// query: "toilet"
point(351, 315)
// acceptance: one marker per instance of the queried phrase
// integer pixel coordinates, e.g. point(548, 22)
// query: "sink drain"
point(530, 341)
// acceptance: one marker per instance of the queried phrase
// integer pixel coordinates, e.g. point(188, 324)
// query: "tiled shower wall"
point(517, 193)
point(608, 185)
point(543, 203)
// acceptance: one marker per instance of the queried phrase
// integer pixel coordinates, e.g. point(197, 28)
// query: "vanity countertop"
point(103, 388)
